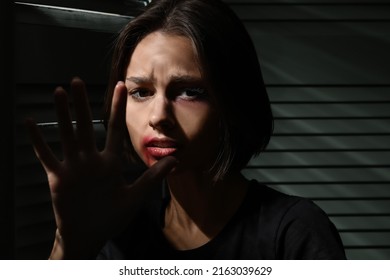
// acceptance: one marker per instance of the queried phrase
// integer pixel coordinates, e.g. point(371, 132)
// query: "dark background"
point(326, 65)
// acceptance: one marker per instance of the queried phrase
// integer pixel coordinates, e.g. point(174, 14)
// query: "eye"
point(191, 94)
point(140, 94)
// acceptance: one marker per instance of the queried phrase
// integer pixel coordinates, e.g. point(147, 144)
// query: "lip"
point(160, 147)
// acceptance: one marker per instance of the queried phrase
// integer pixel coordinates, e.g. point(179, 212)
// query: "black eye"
point(192, 93)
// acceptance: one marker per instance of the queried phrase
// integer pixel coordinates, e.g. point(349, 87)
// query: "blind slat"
point(311, 72)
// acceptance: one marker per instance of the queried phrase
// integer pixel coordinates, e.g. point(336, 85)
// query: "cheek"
point(201, 131)
point(197, 121)
point(134, 128)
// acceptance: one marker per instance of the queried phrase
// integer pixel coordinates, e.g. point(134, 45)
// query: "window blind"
point(325, 64)
point(53, 44)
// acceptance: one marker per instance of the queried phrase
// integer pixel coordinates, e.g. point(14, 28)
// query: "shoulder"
point(283, 205)
point(281, 209)
point(280, 205)
point(299, 228)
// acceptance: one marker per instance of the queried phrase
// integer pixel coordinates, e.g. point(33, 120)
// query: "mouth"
point(159, 148)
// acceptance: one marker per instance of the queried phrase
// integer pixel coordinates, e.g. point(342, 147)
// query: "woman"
point(192, 100)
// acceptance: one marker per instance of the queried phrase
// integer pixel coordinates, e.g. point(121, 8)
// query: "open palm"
point(91, 200)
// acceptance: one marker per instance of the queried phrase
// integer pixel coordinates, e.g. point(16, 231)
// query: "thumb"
point(157, 172)
point(142, 187)
point(138, 192)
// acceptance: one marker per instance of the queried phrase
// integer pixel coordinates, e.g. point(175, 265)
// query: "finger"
point(65, 122)
point(157, 172)
point(85, 134)
point(137, 193)
point(42, 150)
point(117, 121)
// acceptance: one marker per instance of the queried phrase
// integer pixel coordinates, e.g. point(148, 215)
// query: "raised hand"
point(91, 200)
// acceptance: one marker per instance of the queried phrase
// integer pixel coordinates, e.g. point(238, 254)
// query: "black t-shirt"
point(268, 225)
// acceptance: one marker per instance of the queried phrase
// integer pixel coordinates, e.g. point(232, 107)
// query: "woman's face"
point(169, 109)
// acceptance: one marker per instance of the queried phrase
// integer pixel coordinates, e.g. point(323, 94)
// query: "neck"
point(201, 207)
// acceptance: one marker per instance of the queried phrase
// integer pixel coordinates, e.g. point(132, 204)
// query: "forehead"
point(162, 53)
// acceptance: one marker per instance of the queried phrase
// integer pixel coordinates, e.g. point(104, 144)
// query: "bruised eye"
point(140, 94)
point(192, 93)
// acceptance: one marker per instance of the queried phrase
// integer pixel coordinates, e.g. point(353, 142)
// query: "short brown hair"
point(230, 65)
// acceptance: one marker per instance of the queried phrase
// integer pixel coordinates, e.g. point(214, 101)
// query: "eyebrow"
point(185, 79)
point(139, 80)
point(176, 79)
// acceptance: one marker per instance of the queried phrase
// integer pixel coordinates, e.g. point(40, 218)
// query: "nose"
point(161, 116)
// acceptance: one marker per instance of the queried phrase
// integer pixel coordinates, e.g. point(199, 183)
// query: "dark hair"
point(229, 63)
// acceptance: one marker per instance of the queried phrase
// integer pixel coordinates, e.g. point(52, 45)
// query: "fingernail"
point(59, 88)
point(120, 83)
